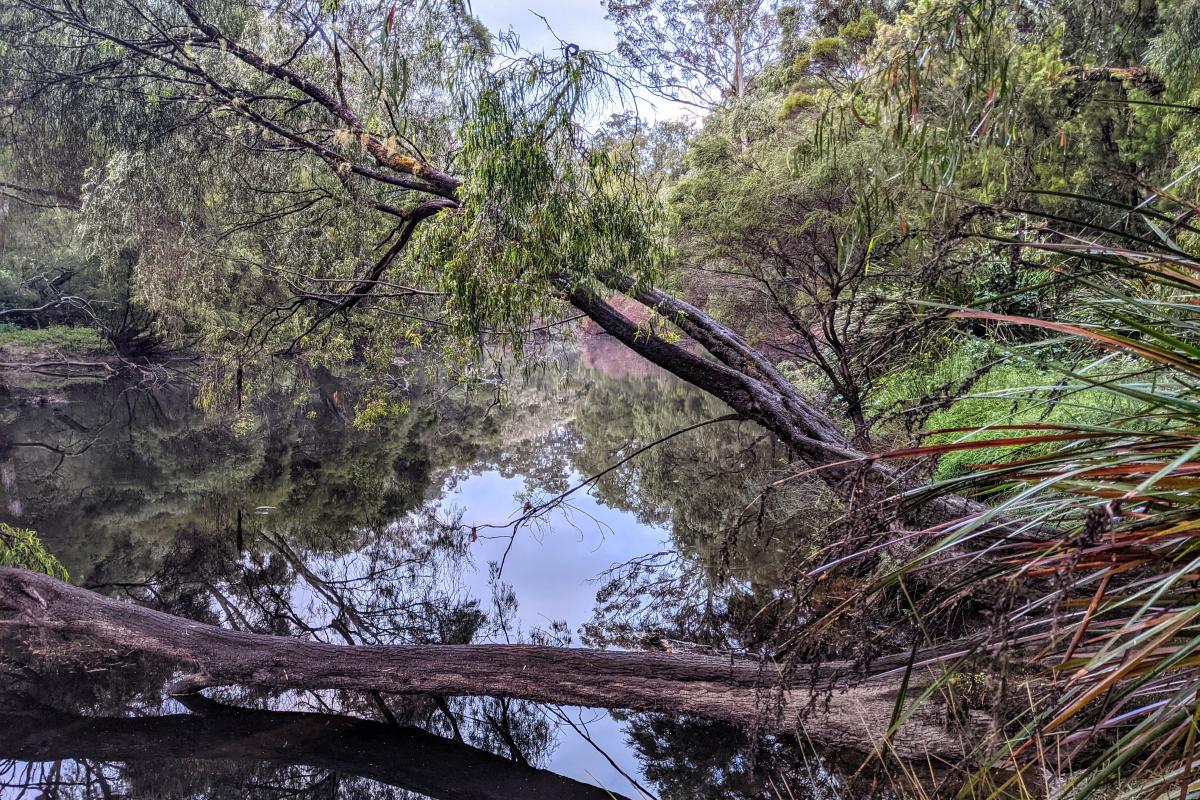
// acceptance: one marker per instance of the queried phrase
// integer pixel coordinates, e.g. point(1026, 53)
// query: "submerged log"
point(405, 757)
point(828, 704)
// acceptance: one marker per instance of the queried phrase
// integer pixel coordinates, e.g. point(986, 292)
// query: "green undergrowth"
point(56, 337)
point(1015, 392)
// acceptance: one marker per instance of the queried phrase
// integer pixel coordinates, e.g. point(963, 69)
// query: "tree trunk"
point(405, 757)
point(827, 704)
point(751, 385)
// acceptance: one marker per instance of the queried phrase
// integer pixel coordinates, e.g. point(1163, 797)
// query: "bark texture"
point(751, 385)
point(834, 707)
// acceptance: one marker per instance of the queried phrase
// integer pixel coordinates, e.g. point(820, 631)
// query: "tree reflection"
point(705, 760)
point(159, 469)
point(218, 752)
point(284, 518)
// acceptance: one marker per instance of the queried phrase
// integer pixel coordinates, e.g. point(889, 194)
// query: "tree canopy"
point(941, 252)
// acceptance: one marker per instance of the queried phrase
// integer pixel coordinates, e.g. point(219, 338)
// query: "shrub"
point(22, 548)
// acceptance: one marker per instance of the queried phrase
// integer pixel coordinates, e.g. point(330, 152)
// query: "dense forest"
point(885, 312)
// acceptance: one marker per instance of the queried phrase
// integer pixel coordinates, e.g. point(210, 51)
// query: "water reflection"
point(217, 751)
point(286, 518)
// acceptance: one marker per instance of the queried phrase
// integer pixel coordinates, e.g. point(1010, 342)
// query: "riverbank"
point(38, 364)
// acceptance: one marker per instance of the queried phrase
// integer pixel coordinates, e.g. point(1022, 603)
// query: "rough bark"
point(751, 385)
point(834, 707)
point(405, 757)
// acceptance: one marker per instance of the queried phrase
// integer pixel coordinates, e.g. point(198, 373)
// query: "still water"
point(284, 516)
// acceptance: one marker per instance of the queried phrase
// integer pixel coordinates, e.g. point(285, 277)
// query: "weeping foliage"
point(544, 209)
point(310, 179)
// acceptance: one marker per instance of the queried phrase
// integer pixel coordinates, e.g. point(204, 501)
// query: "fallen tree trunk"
point(751, 385)
point(829, 705)
point(405, 757)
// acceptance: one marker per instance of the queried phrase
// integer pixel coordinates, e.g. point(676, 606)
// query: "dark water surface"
point(284, 517)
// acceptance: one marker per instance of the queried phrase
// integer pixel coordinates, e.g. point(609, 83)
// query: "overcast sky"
point(580, 22)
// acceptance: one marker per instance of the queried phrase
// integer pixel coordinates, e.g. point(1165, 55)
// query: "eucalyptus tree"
point(702, 53)
point(392, 162)
point(385, 162)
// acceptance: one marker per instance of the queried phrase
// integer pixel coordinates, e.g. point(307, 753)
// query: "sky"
point(553, 570)
point(579, 22)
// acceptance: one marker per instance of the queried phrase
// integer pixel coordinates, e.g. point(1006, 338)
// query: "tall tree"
point(330, 190)
point(409, 180)
point(698, 52)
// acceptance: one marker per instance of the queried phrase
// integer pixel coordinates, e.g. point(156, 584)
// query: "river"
point(286, 516)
